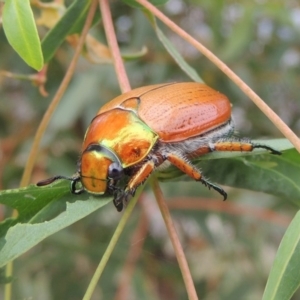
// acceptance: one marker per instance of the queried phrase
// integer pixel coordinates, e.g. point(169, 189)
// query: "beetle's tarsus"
point(118, 203)
point(132, 192)
point(122, 197)
point(273, 151)
point(215, 187)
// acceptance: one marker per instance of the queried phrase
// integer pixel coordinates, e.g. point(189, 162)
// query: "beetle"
point(149, 128)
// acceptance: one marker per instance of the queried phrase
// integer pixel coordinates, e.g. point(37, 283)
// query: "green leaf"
point(257, 170)
point(185, 67)
point(42, 211)
point(135, 4)
point(48, 209)
point(134, 55)
point(284, 278)
point(71, 22)
point(22, 237)
point(21, 32)
point(30, 200)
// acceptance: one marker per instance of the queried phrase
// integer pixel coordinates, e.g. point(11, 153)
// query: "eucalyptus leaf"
point(70, 23)
point(42, 211)
point(135, 4)
point(21, 32)
point(190, 71)
point(284, 278)
point(45, 210)
point(22, 237)
point(257, 170)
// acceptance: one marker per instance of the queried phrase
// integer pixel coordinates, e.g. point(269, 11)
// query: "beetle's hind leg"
point(242, 145)
point(185, 166)
point(273, 151)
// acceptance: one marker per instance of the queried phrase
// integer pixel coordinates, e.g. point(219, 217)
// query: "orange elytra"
point(138, 131)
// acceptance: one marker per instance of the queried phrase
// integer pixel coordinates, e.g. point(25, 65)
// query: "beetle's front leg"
point(140, 176)
point(185, 166)
point(118, 202)
point(117, 193)
point(120, 198)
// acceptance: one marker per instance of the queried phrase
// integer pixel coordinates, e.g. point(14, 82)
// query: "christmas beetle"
point(151, 127)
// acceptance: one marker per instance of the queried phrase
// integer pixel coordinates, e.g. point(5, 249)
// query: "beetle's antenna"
point(52, 179)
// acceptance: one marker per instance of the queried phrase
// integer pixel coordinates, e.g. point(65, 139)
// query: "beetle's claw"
point(118, 195)
point(121, 198)
point(132, 192)
point(273, 151)
point(215, 187)
point(118, 202)
point(128, 194)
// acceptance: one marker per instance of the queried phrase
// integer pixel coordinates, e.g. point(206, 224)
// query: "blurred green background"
point(231, 250)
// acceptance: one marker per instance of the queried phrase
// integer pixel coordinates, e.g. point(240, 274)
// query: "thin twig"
point(185, 271)
point(111, 246)
point(274, 118)
point(113, 45)
point(61, 90)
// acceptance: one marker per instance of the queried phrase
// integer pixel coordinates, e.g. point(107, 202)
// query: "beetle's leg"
point(118, 195)
point(140, 176)
point(242, 146)
point(233, 145)
point(118, 202)
point(137, 179)
point(185, 166)
point(116, 192)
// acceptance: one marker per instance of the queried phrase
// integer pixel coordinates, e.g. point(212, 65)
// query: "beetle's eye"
point(115, 171)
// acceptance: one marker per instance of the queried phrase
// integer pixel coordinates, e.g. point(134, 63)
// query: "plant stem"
point(136, 242)
point(113, 45)
point(185, 271)
point(111, 246)
point(8, 286)
point(274, 118)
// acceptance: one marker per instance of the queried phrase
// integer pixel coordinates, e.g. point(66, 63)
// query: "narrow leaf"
point(135, 4)
point(284, 278)
point(191, 72)
point(22, 237)
point(21, 32)
point(50, 210)
point(257, 170)
point(30, 200)
point(71, 22)
point(42, 211)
